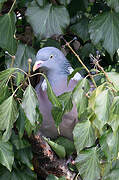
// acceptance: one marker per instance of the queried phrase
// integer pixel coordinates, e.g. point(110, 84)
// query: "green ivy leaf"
point(104, 146)
point(83, 135)
point(19, 143)
point(57, 114)
point(57, 106)
point(94, 94)
point(114, 174)
point(66, 100)
point(26, 174)
point(4, 93)
point(67, 144)
point(113, 144)
point(19, 78)
point(8, 115)
point(81, 29)
point(59, 150)
point(104, 28)
point(23, 53)
point(6, 155)
point(4, 76)
point(25, 156)
point(79, 95)
point(114, 114)
point(47, 21)
point(110, 144)
point(114, 4)
point(114, 78)
point(29, 104)
point(7, 31)
point(20, 124)
point(87, 163)
point(51, 95)
point(102, 107)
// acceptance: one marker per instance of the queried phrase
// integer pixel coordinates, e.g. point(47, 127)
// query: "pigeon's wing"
point(69, 120)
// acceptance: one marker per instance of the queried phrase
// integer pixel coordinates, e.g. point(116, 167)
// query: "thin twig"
point(29, 65)
point(101, 68)
point(12, 6)
point(37, 74)
point(17, 89)
point(68, 44)
point(12, 63)
point(24, 73)
point(96, 63)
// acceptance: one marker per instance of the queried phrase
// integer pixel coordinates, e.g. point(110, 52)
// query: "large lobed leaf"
point(8, 115)
point(105, 28)
point(6, 155)
point(102, 108)
point(81, 29)
point(114, 78)
point(114, 114)
point(79, 95)
point(29, 104)
point(20, 124)
point(66, 101)
point(23, 173)
point(83, 135)
point(67, 144)
point(4, 76)
point(57, 111)
point(47, 21)
point(87, 163)
point(22, 55)
point(109, 142)
point(7, 31)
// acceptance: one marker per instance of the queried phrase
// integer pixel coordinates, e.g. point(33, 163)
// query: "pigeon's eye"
point(51, 56)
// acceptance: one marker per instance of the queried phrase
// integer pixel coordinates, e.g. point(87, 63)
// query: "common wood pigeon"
point(57, 69)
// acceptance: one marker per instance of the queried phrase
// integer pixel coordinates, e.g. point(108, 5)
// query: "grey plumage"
point(57, 69)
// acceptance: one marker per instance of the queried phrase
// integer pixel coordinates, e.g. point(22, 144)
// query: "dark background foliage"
point(92, 28)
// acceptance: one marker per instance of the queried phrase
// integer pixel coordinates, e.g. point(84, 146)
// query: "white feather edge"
point(76, 77)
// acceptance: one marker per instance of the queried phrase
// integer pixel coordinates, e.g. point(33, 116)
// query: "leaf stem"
point(96, 62)
point(67, 44)
point(37, 74)
point(29, 66)
point(17, 89)
point(12, 63)
point(12, 7)
point(101, 68)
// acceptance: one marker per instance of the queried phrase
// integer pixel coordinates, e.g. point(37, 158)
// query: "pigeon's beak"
point(37, 65)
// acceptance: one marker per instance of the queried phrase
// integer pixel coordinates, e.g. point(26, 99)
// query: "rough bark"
point(46, 162)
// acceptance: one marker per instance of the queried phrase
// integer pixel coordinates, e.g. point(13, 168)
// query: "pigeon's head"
point(51, 59)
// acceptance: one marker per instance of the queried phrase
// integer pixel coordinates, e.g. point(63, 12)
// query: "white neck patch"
point(76, 77)
point(44, 85)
